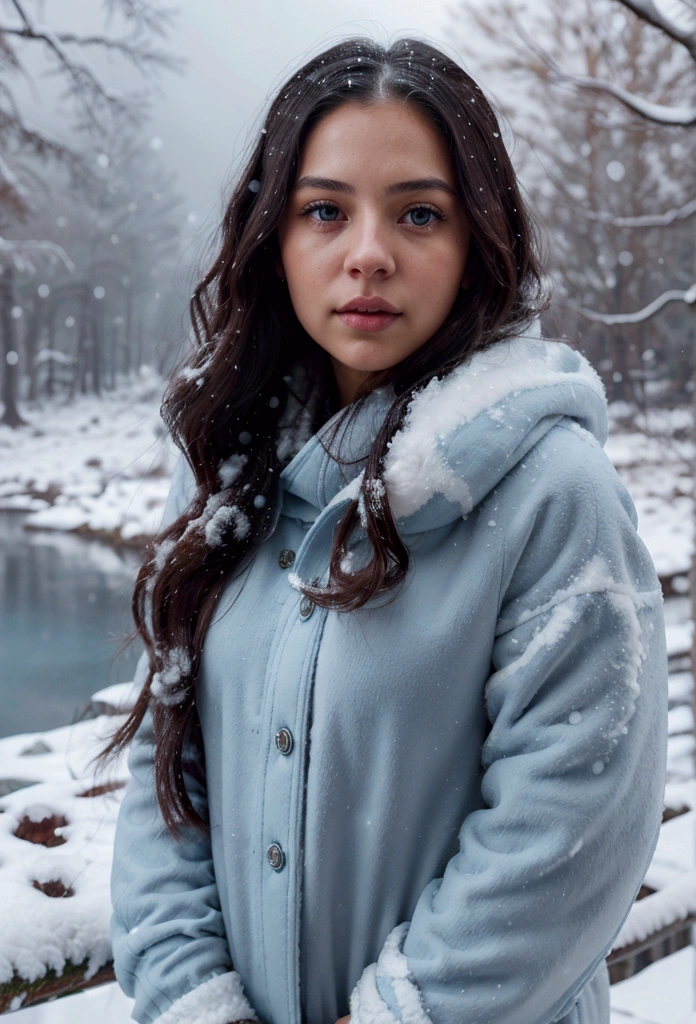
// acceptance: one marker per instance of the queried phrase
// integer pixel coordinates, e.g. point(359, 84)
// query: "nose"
point(368, 251)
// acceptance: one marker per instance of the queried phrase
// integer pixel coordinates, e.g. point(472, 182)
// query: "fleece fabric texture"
point(474, 788)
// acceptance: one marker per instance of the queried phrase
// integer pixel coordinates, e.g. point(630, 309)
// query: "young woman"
point(399, 752)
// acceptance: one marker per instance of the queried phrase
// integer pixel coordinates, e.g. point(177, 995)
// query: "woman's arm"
point(168, 937)
point(574, 765)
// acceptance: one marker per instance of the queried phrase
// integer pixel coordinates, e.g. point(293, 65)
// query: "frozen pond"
point(64, 612)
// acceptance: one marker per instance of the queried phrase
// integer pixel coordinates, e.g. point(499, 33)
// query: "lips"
point(368, 304)
point(368, 313)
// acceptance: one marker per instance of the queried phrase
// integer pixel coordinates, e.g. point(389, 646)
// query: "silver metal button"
point(286, 558)
point(276, 857)
point(283, 740)
point(306, 607)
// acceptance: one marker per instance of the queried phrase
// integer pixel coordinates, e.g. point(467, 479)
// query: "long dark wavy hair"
point(223, 407)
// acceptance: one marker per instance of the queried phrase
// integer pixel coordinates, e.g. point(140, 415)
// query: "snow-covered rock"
point(115, 700)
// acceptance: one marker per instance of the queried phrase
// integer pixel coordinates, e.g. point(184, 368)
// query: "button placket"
point(288, 696)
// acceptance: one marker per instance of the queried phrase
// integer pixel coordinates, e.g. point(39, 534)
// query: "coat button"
point(306, 607)
point(283, 740)
point(286, 558)
point(276, 857)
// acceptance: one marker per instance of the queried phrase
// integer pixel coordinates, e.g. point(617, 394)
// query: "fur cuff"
point(217, 1001)
point(386, 992)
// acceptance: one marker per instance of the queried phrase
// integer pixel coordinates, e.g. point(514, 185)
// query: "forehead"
point(389, 140)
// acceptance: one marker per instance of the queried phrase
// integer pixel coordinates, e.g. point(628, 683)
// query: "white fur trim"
point(217, 1001)
point(415, 468)
point(366, 1003)
point(392, 964)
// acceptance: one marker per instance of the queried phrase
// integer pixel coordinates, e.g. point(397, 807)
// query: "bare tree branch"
point(656, 112)
point(20, 251)
point(648, 11)
point(612, 319)
point(647, 220)
point(79, 73)
point(145, 15)
point(42, 144)
point(131, 49)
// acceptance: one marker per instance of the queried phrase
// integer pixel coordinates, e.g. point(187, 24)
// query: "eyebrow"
point(415, 185)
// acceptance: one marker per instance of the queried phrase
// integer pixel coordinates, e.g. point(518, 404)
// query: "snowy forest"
point(100, 248)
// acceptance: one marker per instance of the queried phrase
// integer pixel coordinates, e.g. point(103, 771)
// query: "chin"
point(372, 359)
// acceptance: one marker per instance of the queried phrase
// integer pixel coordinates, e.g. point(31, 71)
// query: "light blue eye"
point(332, 210)
point(418, 214)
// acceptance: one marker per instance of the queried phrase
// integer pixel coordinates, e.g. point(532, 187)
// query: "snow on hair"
point(168, 685)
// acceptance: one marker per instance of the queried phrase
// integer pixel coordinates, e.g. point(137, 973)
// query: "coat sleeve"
point(168, 938)
point(573, 775)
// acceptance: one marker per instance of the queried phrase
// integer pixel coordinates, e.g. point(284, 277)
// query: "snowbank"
point(56, 839)
point(99, 466)
point(663, 993)
point(654, 459)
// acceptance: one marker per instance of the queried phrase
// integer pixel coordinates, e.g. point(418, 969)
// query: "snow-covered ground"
point(98, 466)
point(56, 837)
point(654, 457)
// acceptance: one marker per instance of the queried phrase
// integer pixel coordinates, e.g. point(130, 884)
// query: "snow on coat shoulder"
point(503, 393)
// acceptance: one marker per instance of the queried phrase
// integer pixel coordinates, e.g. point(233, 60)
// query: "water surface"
point(64, 611)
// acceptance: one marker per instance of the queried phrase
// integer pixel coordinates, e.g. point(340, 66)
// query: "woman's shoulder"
point(567, 469)
point(562, 508)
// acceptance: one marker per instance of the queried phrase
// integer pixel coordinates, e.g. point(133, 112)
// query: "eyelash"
point(320, 204)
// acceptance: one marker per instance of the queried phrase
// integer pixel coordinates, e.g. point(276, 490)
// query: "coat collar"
point(461, 435)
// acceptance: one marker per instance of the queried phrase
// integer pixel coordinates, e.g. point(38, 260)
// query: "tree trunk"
point(8, 349)
point(31, 338)
point(83, 327)
point(128, 333)
point(114, 354)
point(97, 322)
point(139, 342)
point(692, 575)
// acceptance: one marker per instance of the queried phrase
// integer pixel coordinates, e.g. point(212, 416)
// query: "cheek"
point(304, 265)
point(437, 276)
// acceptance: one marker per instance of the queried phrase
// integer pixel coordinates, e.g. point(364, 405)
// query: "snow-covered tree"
point(615, 193)
point(124, 236)
point(40, 170)
point(31, 46)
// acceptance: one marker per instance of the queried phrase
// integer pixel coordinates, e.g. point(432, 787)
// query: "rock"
point(38, 747)
point(8, 786)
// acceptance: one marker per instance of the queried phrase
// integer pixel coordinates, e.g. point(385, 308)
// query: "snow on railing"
point(671, 906)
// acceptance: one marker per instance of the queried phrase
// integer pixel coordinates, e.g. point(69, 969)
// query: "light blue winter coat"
point(459, 816)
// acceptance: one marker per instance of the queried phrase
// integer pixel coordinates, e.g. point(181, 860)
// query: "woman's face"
point(373, 223)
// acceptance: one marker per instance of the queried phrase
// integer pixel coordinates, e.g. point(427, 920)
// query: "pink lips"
point(368, 313)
